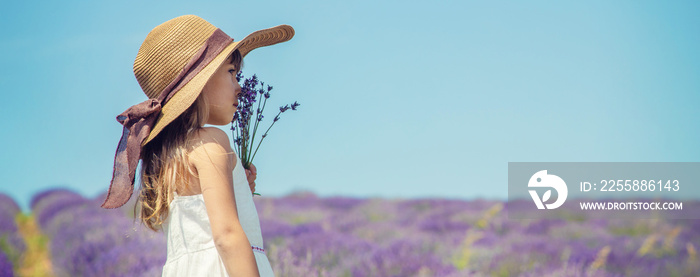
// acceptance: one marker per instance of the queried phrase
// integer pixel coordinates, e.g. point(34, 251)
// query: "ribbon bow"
point(138, 121)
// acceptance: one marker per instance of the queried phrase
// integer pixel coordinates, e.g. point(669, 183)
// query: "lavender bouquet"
point(243, 138)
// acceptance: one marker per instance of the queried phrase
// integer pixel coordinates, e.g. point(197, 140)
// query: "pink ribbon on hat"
point(139, 119)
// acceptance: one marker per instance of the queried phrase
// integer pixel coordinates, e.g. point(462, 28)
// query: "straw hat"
point(172, 66)
point(169, 46)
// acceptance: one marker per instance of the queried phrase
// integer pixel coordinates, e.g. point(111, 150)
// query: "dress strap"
point(258, 249)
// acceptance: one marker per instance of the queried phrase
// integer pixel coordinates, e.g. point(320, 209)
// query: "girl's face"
point(221, 92)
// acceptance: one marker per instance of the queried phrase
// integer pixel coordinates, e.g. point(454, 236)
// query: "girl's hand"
point(251, 173)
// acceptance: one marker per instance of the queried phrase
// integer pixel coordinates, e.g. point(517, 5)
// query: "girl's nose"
point(237, 88)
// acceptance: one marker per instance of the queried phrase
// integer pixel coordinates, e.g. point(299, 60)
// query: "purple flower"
point(244, 135)
point(8, 205)
point(5, 266)
point(86, 240)
point(340, 203)
point(284, 108)
point(11, 242)
point(402, 258)
point(131, 258)
point(308, 235)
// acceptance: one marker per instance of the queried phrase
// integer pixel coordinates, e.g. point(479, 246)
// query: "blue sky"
point(399, 99)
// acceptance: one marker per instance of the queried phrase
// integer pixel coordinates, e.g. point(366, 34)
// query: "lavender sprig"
point(282, 109)
point(241, 122)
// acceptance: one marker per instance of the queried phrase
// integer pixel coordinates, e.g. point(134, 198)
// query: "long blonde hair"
point(165, 160)
point(165, 164)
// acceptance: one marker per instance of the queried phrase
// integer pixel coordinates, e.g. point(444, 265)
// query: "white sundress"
point(190, 245)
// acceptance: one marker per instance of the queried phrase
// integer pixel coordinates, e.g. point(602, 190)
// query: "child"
point(192, 183)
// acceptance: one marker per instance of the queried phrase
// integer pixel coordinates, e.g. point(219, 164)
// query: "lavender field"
point(306, 235)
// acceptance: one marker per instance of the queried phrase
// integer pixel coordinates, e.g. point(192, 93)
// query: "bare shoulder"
point(212, 134)
point(214, 161)
point(211, 145)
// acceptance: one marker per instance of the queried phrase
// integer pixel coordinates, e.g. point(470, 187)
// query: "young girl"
point(193, 185)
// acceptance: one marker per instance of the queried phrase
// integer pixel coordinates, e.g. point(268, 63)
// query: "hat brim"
point(184, 98)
